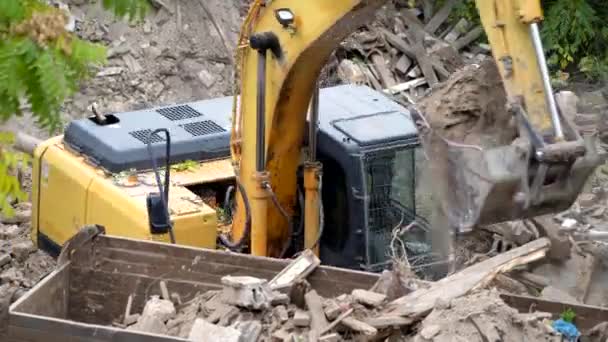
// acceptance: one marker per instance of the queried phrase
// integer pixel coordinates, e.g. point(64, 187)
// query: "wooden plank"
point(422, 301)
point(49, 297)
point(318, 322)
point(468, 38)
point(584, 276)
point(381, 66)
point(424, 60)
point(440, 17)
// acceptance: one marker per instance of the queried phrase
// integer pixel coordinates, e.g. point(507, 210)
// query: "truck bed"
point(81, 298)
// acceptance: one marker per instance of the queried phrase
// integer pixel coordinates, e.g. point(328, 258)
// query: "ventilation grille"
point(201, 128)
point(143, 134)
point(179, 112)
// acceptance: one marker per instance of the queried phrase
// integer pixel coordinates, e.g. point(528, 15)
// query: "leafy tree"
point(42, 63)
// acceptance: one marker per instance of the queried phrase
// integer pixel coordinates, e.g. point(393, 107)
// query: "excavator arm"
point(284, 44)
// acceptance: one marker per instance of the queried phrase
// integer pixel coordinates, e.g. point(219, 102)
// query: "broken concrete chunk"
point(280, 312)
point(358, 326)
point(22, 250)
point(4, 259)
point(11, 276)
point(149, 324)
point(250, 330)
point(279, 299)
point(301, 318)
point(9, 232)
point(163, 309)
point(203, 331)
point(368, 297)
point(246, 292)
point(335, 337)
point(415, 72)
point(430, 331)
point(332, 309)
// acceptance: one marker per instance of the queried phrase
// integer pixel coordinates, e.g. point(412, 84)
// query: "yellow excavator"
point(284, 165)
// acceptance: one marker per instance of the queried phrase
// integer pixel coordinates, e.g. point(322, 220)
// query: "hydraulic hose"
point(285, 215)
point(321, 215)
point(224, 240)
point(164, 192)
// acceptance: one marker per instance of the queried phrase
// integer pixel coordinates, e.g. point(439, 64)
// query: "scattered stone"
point(147, 27)
point(368, 298)
point(22, 250)
point(403, 64)
point(132, 64)
point(569, 223)
point(281, 336)
point(9, 232)
point(163, 309)
point(246, 292)
point(206, 78)
point(204, 331)
point(4, 259)
point(279, 299)
point(415, 72)
point(301, 318)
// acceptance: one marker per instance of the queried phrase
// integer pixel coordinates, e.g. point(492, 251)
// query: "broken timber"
point(420, 302)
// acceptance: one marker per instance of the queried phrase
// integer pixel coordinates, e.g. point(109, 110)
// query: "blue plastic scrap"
point(567, 329)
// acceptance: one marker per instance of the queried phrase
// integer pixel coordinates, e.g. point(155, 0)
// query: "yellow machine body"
point(70, 193)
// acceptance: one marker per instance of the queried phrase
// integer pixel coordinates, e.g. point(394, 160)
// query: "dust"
point(471, 107)
point(484, 316)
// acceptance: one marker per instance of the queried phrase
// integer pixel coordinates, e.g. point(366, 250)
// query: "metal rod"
point(312, 129)
point(542, 64)
point(261, 112)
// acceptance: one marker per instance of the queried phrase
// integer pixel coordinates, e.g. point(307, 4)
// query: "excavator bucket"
point(480, 186)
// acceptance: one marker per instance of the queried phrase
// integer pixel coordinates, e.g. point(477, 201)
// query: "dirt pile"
point(484, 316)
point(471, 107)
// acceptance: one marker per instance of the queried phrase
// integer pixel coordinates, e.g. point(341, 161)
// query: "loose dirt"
point(470, 107)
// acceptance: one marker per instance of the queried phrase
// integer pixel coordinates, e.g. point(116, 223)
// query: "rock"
point(301, 318)
point(20, 216)
point(163, 309)
point(111, 71)
point(403, 64)
point(554, 294)
point(281, 336)
point(280, 312)
point(147, 27)
point(368, 298)
point(132, 64)
point(415, 72)
point(246, 292)
point(206, 78)
point(22, 250)
point(332, 309)
point(350, 72)
point(149, 324)
point(9, 232)
point(4, 259)
point(250, 330)
point(203, 331)
point(430, 331)
point(587, 200)
point(335, 337)
point(279, 299)
point(11, 276)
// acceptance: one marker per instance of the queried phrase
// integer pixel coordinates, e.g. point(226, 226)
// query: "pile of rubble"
point(406, 51)
point(399, 307)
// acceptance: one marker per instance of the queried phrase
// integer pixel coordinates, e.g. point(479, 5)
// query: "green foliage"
point(42, 64)
point(188, 165)
point(570, 28)
point(568, 315)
